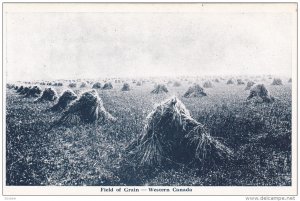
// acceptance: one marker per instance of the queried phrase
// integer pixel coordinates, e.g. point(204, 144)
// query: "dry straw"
point(20, 89)
point(195, 91)
point(207, 84)
point(33, 91)
point(49, 94)
point(107, 86)
point(83, 85)
point(97, 85)
point(171, 134)
point(277, 81)
point(64, 100)
point(88, 108)
point(240, 82)
point(230, 81)
point(73, 85)
point(160, 88)
point(249, 85)
point(125, 87)
point(259, 93)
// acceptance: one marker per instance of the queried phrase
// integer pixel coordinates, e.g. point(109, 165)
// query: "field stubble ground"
point(90, 154)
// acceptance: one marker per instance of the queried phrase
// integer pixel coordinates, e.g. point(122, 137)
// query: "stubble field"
point(91, 154)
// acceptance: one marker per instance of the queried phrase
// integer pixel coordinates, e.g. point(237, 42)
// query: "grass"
point(89, 154)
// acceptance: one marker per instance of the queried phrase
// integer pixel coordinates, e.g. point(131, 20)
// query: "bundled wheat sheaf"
point(277, 81)
point(230, 81)
point(240, 82)
point(172, 135)
point(107, 86)
point(73, 85)
point(32, 91)
point(160, 88)
point(10, 86)
point(49, 94)
point(207, 84)
point(23, 90)
point(195, 91)
point(97, 85)
point(88, 108)
point(259, 93)
point(83, 84)
point(64, 100)
point(249, 85)
point(125, 87)
point(20, 89)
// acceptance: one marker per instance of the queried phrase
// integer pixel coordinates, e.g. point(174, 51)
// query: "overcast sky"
point(90, 45)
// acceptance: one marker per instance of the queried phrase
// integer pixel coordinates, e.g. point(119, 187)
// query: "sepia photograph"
point(150, 98)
